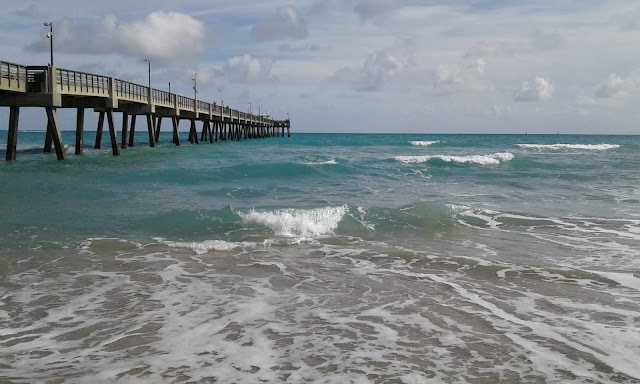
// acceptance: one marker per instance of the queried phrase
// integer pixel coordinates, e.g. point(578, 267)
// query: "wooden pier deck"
point(52, 88)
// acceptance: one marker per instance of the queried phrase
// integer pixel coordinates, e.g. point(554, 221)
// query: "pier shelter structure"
point(52, 88)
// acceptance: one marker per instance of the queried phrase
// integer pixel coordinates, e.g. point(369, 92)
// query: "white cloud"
point(540, 89)
point(450, 79)
point(372, 9)
point(380, 67)
point(614, 86)
point(161, 35)
point(245, 69)
point(285, 24)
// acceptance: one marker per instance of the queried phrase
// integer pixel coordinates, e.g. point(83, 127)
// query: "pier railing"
point(36, 79)
point(13, 77)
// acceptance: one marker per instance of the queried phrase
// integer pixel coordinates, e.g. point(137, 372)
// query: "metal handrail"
point(77, 81)
point(12, 71)
point(85, 83)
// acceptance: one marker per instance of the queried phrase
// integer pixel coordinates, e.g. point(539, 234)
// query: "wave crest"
point(297, 222)
point(555, 147)
point(492, 159)
point(424, 143)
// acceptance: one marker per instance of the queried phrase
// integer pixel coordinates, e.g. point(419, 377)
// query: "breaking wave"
point(556, 147)
point(424, 143)
point(492, 159)
point(298, 222)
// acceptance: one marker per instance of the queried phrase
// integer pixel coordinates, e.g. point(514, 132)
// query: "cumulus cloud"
point(540, 89)
point(380, 67)
point(161, 35)
point(372, 9)
point(450, 79)
point(245, 69)
point(547, 40)
point(285, 24)
point(628, 21)
point(614, 86)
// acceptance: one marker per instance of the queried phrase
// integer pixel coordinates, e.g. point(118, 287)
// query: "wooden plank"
point(12, 135)
point(79, 130)
point(55, 133)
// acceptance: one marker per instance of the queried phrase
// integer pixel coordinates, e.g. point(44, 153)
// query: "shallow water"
point(323, 258)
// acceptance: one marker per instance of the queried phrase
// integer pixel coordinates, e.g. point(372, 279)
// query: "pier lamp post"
point(221, 101)
point(195, 90)
point(250, 108)
point(149, 66)
point(287, 116)
point(50, 37)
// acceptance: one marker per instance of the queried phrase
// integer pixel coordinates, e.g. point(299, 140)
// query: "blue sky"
point(359, 65)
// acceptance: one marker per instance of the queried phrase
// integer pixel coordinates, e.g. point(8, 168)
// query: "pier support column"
point(176, 136)
point(12, 135)
point(99, 131)
point(132, 131)
point(151, 129)
point(112, 133)
point(47, 138)
point(209, 131)
point(215, 131)
point(193, 134)
point(204, 132)
point(55, 133)
point(125, 126)
point(158, 125)
point(79, 131)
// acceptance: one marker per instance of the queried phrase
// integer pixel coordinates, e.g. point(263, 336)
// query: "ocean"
point(324, 258)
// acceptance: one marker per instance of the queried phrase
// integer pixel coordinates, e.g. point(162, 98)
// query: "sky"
point(380, 66)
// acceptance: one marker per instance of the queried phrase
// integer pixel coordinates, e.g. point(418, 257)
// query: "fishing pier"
point(51, 88)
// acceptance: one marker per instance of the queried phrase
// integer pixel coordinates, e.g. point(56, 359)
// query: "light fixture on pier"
point(50, 37)
point(149, 62)
point(221, 101)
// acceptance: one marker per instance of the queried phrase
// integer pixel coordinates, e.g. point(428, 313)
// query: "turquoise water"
point(323, 257)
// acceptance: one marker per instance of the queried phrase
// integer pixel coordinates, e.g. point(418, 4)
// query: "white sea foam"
point(321, 162)
point(297, 222)
point(424, 143)
point(492, 159)
point(202, 247)
point(556, 147)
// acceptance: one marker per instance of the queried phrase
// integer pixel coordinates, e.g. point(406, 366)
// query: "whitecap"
point(298, 222)
point(424, 143)
point(325, 162)
point(202, 247)
point(556, 147)
point(492, 159)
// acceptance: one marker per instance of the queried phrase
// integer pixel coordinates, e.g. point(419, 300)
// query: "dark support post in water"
point(79, 131)
point(176, 136)
point(99, 130)
point(193, 134)
point(125, 127)
point(152, 130)
point(112, 133)
point(55, 133)
point(12, 135)
point(210, 132)
point(47, 139)
point(132, 131)
point(158, 125)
